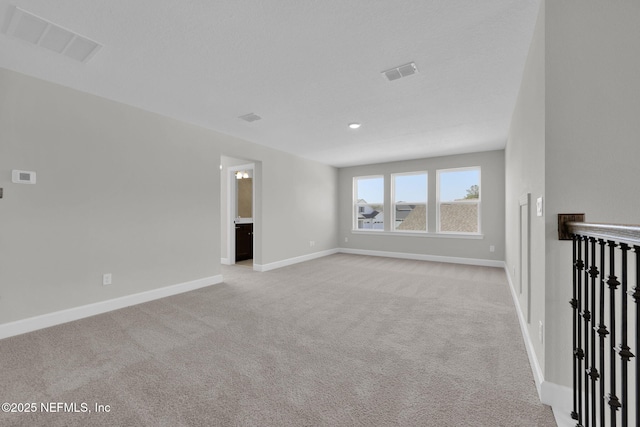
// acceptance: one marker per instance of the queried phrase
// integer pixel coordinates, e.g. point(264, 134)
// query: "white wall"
point(492, 215)
point(131, 193)
point(118, 191)
point(592, 139)
point(296, 202)
point(573, 140)
point(525, 173)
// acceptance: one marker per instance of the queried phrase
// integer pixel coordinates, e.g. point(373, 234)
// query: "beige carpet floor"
point(344, 340)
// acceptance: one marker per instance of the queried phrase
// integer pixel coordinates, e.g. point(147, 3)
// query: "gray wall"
point(131, 193)
point(296, 202)
point(592, 138)
point(573, 140)
point(299, 204)
point(525, 173)
point(492, 216)
point(118, 191)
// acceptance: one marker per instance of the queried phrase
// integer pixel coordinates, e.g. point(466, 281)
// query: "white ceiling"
point(307, 67)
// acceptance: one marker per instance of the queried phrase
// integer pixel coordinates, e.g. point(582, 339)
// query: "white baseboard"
point(295, 260)
point(422, 257)
point(51, 319)
point(402, 255)
point(538, 376)
point(560, 398)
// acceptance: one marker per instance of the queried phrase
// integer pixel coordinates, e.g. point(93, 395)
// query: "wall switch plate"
point(23, 177)
point(106, 279)
point(539, 206)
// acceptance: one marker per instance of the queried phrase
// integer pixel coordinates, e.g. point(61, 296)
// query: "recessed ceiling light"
point(354, 125)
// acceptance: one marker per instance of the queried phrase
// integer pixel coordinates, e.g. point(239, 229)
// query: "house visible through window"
point(409, 197)
point(368, 203)
point(458, 200)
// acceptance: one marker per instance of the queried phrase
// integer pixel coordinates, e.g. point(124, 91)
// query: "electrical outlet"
point(106, 279)
point(346, 239)
point(540, 331)
point(312, 243)
point(492, 248)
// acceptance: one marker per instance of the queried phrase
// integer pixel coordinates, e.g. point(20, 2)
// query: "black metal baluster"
point(602, 331)
point(636, 297)
point(614, 402)
point(579, 353)
point(574, 305)
point(601, 312)
point(593, 371)
point(586, 316)
point(624, 350)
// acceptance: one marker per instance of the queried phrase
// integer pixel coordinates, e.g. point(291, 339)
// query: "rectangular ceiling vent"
point(38, 31)
point(251, 117)
point(401, 71)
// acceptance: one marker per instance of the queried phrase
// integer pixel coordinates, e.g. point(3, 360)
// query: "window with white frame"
point(458, 200)
point(368, 202)
point(409, 199)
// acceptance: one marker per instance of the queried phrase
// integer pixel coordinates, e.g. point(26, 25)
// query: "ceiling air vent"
point(38, 31)
point(401, 71)
point(251, 117)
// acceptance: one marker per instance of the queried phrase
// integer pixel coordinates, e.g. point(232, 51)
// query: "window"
point(409, 198)
point(458, 200)
point(368, 199)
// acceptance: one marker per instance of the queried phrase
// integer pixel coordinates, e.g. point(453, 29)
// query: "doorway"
point(241, 213)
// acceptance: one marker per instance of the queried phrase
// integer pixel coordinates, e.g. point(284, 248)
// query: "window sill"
point(471, 236)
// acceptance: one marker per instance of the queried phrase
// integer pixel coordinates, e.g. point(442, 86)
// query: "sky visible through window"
point(413, 188)
point(410, 188)
point(454, 184)
point(371, 189)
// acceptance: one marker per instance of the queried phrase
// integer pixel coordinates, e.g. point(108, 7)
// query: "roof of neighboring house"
point(402, 211)
point(415, 220)
point(462, 217)
point(369, 215)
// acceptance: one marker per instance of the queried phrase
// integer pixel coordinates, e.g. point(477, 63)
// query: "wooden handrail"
point(629, 234)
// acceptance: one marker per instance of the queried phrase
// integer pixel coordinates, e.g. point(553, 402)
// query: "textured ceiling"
point(307, 67)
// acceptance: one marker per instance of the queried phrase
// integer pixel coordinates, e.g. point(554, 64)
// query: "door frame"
point(231, 203)
point(524, 261)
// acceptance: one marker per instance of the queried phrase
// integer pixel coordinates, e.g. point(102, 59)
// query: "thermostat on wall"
point(23, 177)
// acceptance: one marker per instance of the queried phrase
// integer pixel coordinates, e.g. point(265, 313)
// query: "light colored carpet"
point(344, 340)
point(245, 263)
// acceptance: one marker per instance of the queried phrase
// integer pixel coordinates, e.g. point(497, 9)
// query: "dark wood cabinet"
point(244, 241)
